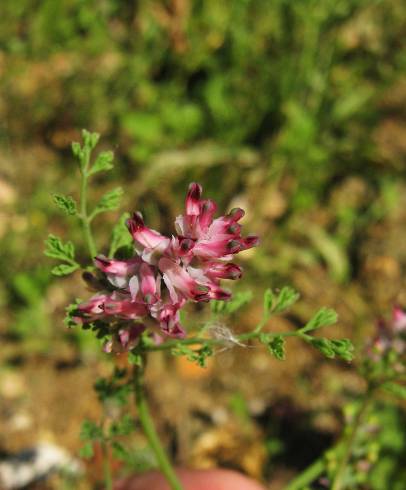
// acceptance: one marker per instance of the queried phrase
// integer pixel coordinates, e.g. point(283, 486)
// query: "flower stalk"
point(108, 479)
point(150, 431)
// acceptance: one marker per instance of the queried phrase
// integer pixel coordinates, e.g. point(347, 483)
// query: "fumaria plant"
point(141, 285)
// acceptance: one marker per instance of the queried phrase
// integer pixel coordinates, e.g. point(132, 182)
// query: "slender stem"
point(308, 475)
point(170, 344)
point(84, 218)
point(108, 479)
point(150, 431)
point(348, 443)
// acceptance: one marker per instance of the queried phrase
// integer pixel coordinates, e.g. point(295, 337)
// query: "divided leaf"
point(324, 317)
point(64, 269)
point(90, 431)
point(199, 356)
point(109, 202)
point(122, 427)
point(86, 451)
point(77, 150)
point(276, 303)
point(234, 304)
point(90, 139)
point(66, 203)
point(120, 235)
point(275, 344)
point(135, 358)
point(55, 248)
point(71, 312)
point(104, 162)
point(331, 348)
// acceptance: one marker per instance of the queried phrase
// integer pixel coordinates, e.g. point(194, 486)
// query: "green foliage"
point(86, 451)
point(305, 88)
point(116, 388)
point(281, 301)
point(91, 431)
point(71, 311)
point(31, 322)
point(56, 249)
point(323, 318)
point(135, 458)
point(90, 139)
point(122, 427)
point(237, 301)
point(109, 202)
point(66, 203)
point(135, 358)
point(342, 348)
point(275, 344)
point(395, 389)
point(64, 269)
point(199, 356)
point(103, 162)
point(120, 236)
point(391, 441)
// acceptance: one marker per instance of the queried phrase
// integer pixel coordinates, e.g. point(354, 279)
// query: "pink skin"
point(192, 480)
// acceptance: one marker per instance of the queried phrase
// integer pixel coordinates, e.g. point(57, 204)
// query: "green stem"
point(308, 475)
point(348, 443)
point(150, 432)
point(84, 218)
point(108, 479)
point(170, 344)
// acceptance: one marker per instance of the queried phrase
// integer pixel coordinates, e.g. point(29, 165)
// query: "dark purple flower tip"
point(186, 244)
point(234, 246)
point(208, 206)
point(220, 294)
point(234, 271)
point(194, 192)
point(148, 298)
point(136, 222)
point(101, 262)
point(249, 242)
point(91, 281)
point(234, 229)
point(176, 331)
point(193, 200)
point(236, 214)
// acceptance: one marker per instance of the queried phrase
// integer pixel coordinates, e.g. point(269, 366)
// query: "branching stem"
point(83, 216)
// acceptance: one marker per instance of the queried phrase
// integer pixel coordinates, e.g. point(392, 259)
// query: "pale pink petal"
point(117, 267)
point(144, 235)
point(221, 270)
point(207, 211)
point(148, 283)
point(181, 226)
point(134, 285)
point(177, 276)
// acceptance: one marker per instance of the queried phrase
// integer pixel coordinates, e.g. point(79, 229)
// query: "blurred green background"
point(294, 110)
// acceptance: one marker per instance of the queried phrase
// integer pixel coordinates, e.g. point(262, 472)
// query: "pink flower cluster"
point(390, 336)
point(167, 272)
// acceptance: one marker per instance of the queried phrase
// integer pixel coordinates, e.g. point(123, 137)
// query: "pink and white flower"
point(165, 273)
